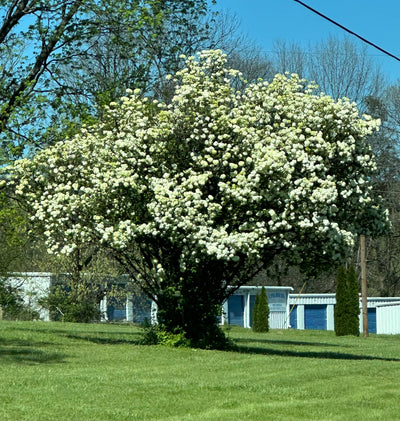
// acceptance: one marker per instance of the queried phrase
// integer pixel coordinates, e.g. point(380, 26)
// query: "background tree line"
point(61, 62)
point(343, 68)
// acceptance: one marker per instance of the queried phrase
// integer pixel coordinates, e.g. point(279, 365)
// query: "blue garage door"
point(293, 317)
point(252, 302)
point(116, 313)
point(141, 308)
point(315, 317)
point(236, 310)
point(372, 320)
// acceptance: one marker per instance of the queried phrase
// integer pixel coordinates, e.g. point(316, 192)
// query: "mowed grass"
point(61, 371)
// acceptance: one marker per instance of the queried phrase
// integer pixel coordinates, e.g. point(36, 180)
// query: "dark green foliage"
point(347, 308)
point(13, 228)
point(70, 303)
point(155, 334)
point(195, 313)
point(12, 306)
point(193, 303)
point(261, 312)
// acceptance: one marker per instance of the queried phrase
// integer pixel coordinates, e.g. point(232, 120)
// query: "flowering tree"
point(202, 193)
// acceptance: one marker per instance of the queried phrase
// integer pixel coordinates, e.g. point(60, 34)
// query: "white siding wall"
point(277, 320)
point(388, 319)
point(330, 317)
point(33, 286)
point(300, 316)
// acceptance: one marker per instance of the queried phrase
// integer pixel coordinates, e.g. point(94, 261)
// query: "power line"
point(348, 30)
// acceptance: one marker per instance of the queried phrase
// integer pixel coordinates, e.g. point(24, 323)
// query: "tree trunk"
point(193, 306)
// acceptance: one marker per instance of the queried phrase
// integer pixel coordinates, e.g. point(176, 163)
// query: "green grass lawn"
point(62, 371)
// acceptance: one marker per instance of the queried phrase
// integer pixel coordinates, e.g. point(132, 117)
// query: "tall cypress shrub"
point(347, 307)
point(261, 312)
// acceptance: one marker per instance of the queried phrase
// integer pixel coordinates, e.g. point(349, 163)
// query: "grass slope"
point(56, 371)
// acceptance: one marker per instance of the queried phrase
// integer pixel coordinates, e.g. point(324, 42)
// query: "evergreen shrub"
point(261, 312)
point(347, 307)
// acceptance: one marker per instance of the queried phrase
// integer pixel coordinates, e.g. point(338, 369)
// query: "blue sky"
point(265, 21)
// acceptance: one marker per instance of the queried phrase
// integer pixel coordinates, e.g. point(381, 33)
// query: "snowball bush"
point(216, 175)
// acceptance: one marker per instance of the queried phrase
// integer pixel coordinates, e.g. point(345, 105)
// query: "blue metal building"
point(238, 309)
point(316, 311)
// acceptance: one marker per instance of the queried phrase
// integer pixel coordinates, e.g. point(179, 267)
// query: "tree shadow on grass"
point(27, 352)
point(323, 354)
point(109, 340)
point(99, 337)
point(280, 342)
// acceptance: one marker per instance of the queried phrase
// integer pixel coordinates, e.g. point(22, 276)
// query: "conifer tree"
point(347, 308)
point(261, 312)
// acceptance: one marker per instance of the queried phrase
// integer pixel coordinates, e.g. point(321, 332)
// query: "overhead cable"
point(348, 30)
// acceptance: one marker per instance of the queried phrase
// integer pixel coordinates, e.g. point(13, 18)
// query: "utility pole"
point(364, 286)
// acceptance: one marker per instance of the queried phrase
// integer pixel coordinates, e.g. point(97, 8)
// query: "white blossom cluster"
point(218, 172)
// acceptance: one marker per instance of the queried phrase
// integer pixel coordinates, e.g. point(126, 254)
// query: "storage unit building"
point(312, 311)
point(238, 309)
point(316, 311)
point(305, 311)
